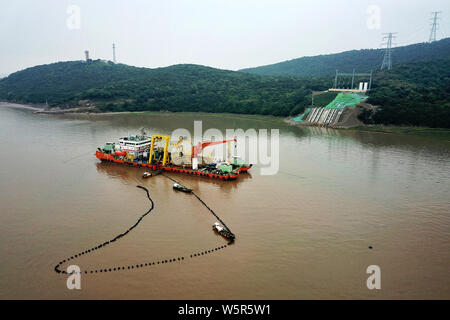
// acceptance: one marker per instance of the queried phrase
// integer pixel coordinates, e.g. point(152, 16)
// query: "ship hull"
point(106, 157)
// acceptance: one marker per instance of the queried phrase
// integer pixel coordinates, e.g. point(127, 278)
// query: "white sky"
point(226, 34)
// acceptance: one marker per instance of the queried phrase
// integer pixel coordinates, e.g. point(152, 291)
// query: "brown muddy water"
point(302, 233)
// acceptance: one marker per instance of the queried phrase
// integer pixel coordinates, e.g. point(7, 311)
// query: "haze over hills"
point(412, 93)
point(360, 60)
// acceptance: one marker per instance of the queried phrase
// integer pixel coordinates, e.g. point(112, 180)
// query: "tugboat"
point(178, 187)
point(147, 175)
point(223, 232)
point(151, 174)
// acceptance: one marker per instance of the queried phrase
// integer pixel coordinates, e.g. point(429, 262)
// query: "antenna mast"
point(114, 53)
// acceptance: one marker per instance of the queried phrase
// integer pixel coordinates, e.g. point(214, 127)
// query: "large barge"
point(153, 152)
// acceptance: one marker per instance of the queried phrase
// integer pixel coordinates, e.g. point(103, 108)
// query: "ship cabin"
point(135, 145)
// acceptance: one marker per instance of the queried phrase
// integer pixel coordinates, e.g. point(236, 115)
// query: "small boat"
point(223, 232)
point(151, 174)
point(176, 186)
point(147, 175)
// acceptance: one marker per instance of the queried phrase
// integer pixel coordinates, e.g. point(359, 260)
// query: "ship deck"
point(171, 168)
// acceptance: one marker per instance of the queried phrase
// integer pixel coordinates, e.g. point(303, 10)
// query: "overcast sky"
point(226, 34)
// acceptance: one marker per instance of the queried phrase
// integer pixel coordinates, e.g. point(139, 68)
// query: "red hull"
point(245, 169)
point(108, 157)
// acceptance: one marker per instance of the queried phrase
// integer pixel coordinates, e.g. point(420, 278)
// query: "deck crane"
point(196, 149)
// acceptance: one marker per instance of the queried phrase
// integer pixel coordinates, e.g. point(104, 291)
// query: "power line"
point(434, 25)
point(387, 60)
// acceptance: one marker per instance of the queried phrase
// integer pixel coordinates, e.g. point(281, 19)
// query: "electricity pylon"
point(387, 60)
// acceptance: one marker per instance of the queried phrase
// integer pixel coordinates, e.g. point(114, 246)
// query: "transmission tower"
point(114, 53)
point(434, 25)
point(387, 60)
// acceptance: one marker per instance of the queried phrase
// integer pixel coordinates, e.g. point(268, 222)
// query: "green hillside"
point(360, 60)
point(411, 94)
point(416, 94)
point(118, 87)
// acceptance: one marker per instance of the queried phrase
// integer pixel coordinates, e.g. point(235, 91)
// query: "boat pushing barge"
point(153, 152)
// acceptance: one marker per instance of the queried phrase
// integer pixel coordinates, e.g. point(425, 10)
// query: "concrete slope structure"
point(331, 114)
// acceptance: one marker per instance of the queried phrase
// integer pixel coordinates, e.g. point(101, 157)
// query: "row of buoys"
point(212, 211)
point(207, 251)
point(203, 202)
point(110, 241)
point(142, 265)
point(130, 267)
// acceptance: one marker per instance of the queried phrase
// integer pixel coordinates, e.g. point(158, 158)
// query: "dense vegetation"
point(323, 99)
point(177, 88)
point(414, 94)
point(360, 60)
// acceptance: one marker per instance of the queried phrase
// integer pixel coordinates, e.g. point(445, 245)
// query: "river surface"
point(303, 233)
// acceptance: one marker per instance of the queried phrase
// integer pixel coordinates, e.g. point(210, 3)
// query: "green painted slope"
point(344, 100)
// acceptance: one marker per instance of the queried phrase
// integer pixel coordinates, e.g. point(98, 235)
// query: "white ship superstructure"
point(135, 145)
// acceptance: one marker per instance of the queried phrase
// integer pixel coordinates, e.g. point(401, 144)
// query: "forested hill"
point(409, 94)
point(360, 60)
point(118, 87)
point(414, 94)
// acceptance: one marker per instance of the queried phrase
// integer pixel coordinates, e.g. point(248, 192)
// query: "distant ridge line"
point(362, 60)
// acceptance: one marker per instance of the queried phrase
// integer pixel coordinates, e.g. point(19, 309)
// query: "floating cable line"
point(147, 263)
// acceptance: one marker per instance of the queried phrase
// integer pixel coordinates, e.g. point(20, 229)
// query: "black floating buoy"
point(370, 247)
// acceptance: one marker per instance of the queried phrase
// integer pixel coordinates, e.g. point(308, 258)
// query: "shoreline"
point(440, 133)
point(20, 106)
point(437, 133)
point(77, 111)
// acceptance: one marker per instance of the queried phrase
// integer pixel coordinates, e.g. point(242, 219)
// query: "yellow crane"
point(156, 139)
